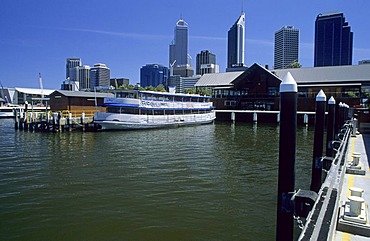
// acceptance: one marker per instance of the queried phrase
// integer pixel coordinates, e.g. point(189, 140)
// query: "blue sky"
point(38, 35)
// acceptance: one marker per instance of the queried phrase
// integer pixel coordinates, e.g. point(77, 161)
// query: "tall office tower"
point(70, 68)
point(236, 42)
point(99, 76)
point(333, 40)
point(204, 57)
point(153, 75)
point(83, 76)
point(286, 47)
point(179, 46)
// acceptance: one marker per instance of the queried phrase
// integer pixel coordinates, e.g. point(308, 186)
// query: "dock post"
point(255, 117)
point(15, 119)
point(26, 116)
point(318, 142)
point(287, 155)
point(233, 116)
point(21, 119)
point(31, 121)
point(330, 128)
point(70, 121)
point(59, 121)
point(54, 121)
point(341, 116)
point(83, 121)
point(305, 119)
point(337, 120)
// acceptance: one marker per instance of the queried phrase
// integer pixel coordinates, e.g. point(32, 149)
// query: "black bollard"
point(341, 115)
point(318, 142)
point(346, 112)
point(21, 119)
point(15, 112)
point(337, 120)
point(26, 116)
point(330, 128)
point(287, 155)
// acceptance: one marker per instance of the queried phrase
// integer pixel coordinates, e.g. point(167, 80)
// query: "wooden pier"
point(48, 121)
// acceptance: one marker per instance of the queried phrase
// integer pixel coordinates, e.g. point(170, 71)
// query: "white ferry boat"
point(8, 111)
point(134, 109)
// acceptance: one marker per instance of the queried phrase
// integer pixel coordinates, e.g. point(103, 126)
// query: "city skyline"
point(39, 36)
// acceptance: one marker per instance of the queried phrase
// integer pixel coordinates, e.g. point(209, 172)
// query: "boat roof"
point(163, 93)
point(32, 91)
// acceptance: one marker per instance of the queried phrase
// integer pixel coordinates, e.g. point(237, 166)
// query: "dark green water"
point(208, 182)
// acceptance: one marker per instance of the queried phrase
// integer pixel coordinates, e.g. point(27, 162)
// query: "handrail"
point(321, 221)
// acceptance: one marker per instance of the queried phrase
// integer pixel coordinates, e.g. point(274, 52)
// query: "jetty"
point(336, 205)
point(49, 121)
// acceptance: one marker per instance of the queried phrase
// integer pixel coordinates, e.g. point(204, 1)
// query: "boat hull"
point(111, 121)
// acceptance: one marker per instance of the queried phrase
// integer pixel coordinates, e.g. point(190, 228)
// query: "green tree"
point(150, 88)
point(295, 64)
point(204, 91)
point(189, 91)
point(160, 88)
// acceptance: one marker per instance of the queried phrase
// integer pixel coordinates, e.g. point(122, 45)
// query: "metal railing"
point(322, 220)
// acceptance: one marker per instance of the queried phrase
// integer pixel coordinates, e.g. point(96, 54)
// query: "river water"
point(207, 182)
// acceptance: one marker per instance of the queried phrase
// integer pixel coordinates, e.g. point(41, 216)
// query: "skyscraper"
point(99, 76)
point(153, 75)
point(333, 40)
point(71, 64)
point(286, 47)
point(236, 42)
point(83, 76)
point(204, 57)
point(179, 45)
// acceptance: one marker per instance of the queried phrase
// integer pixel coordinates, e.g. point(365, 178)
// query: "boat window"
point(158, 112)
point(126, 95)
point(178, 98)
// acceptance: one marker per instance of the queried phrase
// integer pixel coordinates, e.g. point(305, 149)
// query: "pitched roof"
point(218, 79)
point(337, 74)
point(83, 94)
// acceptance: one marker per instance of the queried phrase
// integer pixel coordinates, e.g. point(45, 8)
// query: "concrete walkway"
point(359, 144)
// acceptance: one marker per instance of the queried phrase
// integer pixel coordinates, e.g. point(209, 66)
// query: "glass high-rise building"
point(83, 76)
point(99, 76)
point(71, 64)
point(204, 57)
point(236, 43)
point(333, 40)
point(153, 75)
point(286, 47)
point(179, 46)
